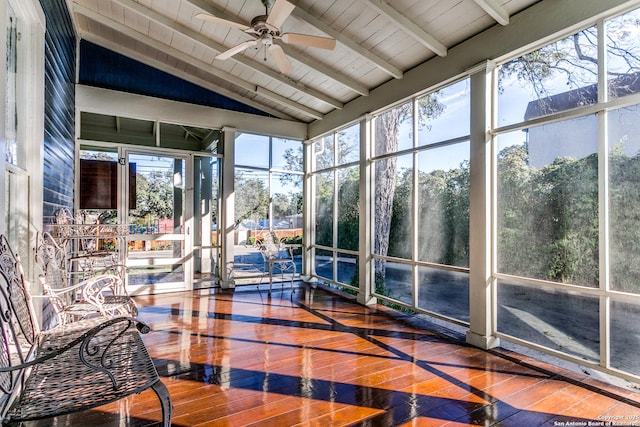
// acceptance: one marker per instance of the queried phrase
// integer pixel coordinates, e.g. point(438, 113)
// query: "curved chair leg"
point(293, 275)
point(165, 402)
point(270, 275)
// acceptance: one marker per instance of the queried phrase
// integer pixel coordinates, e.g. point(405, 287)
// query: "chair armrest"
point(80, 344)
point(94, 288)
point(63, 290)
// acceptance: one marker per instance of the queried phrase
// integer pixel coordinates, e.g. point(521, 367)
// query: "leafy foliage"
point(154, 193)
point(548, 218)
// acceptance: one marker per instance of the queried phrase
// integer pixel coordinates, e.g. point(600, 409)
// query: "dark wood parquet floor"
point(313, 358)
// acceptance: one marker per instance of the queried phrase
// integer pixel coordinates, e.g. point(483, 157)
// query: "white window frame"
point(30, 129)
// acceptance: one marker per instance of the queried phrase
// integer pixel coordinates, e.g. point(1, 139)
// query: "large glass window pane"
point(444, 114)
point(286, 154)
point(395, 281)
point(16, 209)
point(252, 150)
point(443, 205)
point(252, 218)
point(324, 263)
point(624, 193)
point(393, 206)
point(551, 318)
point(323, 153)
point(444, 292)
point(623, 54)
point(347, 269)
point(394, 130)
point(251, 201)
point(548, 202)
point(625, 338)
point(268, 196)
point(557, 77)
point(348, 141)
point(286, 199)
point(324, 208)
point(206, 197)
point(10, 99)
point(349, 208)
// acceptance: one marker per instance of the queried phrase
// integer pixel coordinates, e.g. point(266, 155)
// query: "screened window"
point(11, 110)
point(567, 239)
point(623, 62)
point(268, 197)
point(336, 177)
point(557, 77)
point(421, 202)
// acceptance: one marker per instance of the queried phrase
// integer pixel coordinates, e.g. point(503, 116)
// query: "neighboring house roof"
point(620, 86)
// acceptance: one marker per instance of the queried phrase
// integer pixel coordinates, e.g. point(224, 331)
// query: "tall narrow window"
point(11, 116)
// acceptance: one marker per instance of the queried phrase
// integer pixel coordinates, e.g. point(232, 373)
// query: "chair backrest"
point(270, 247)
point(64, 217)
point(17, 322)
point(52, 260)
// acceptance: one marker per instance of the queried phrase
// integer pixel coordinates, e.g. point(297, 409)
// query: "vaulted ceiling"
point(376, 41)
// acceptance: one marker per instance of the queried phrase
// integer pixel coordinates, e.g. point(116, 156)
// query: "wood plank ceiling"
point(376, 41)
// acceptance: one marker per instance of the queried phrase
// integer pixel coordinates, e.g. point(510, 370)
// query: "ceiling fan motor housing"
point(260, 27)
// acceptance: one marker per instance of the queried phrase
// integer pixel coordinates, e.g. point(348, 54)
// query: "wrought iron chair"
point(82, 241)
point(276, 253)
point(102, 294)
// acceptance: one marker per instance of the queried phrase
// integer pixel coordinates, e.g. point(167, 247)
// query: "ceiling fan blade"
point(307, 40)
point(283, 63)
point(217, 20)
point(242, 46)
point(279, 12)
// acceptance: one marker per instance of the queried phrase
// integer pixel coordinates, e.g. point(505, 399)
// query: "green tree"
point(251, 198)
point(349, 210)
point(387, 137)
point(154, 195)
point(624, 220)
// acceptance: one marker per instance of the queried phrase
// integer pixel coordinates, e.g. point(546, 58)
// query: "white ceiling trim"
point(348, 42)
point(304, 59)
point(196, 63)
point(496, 11)
point(110, 102)
point(409, 26)
point(210, 44)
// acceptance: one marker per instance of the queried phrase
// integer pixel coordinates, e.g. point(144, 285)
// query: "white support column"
point(481, 286)
point(308, 215)
point(228, 212)
point(365, 262)
point(603, 201)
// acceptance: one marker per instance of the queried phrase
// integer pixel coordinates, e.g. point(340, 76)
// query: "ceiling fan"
point(265, 29)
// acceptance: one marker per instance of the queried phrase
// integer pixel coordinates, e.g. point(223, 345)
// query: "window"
point(11, 111)
point(565, 186)
point(336, 177)
point(421, 203)
point(22, 53)
point(268, 197)
point(557, 77)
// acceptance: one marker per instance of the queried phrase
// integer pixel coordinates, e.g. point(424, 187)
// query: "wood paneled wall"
point(59, 115)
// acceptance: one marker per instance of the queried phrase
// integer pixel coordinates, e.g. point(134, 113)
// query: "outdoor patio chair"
point(102, 294)
point(276, 253)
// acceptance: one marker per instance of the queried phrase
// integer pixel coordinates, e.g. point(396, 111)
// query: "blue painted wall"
point(104, 68)
point(59, 108)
